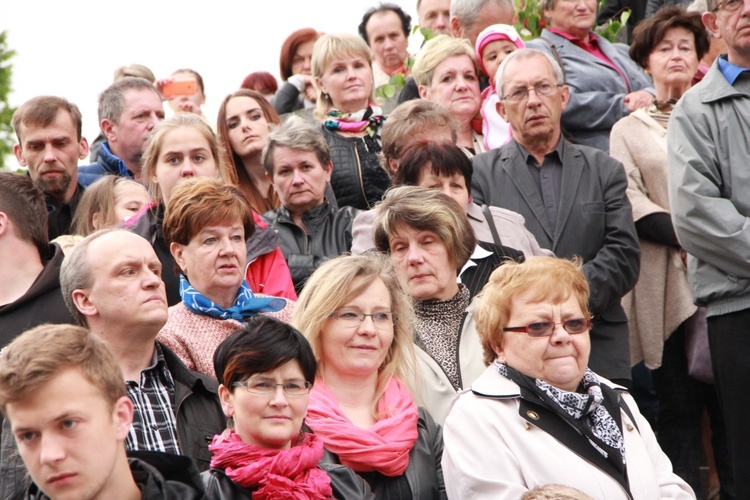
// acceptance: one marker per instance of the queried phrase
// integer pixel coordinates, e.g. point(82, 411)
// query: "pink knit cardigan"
point(194, 337)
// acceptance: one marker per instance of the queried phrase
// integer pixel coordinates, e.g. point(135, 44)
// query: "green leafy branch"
point(7, 138)
point(396, 82)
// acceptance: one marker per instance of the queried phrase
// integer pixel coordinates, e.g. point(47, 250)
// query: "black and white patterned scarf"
point(584, 410)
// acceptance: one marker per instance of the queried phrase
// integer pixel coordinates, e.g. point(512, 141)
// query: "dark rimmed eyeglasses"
point(522, 93)
point(266, 387)
point(546, 328)
point(728, 5)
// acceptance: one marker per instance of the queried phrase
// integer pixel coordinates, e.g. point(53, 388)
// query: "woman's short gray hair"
point(524, 54)
point(296, 133)
point(468, 10)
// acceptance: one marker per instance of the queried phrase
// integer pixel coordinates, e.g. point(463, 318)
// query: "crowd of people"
point(525, 274)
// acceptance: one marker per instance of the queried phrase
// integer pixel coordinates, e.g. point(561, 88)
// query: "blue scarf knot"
point(245, 305)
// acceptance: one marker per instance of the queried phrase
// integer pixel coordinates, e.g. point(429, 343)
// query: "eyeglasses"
point(266, 387)
point(522, 93)
point(546, 328)
point(729, 5)
point(353, 318)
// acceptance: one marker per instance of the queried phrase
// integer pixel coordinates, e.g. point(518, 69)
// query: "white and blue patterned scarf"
point(245, 306)
point(584, 409)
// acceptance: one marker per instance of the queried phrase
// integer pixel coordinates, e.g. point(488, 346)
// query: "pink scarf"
point(384, 447)
point(278, 474)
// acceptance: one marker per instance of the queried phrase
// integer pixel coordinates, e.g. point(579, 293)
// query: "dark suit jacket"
point(595, 222)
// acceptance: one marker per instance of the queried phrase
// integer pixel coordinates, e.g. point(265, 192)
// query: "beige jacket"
point(433, 389)
point(491, 452)
point(661, 300)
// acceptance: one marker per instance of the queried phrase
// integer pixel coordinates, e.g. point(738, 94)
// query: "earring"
point(230, 423)
point(326, 96)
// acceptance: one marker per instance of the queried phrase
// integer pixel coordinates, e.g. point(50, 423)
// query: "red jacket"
point(267, 271)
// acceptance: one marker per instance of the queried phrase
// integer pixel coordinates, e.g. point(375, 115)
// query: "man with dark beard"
point(50, 145)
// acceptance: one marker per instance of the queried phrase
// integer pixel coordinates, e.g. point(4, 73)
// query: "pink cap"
point(493, 33)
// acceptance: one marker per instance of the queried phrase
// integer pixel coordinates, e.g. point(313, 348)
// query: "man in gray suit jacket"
point(572, 197)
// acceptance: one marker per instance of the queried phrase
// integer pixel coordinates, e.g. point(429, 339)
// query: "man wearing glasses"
point(709, 152)
point(572, 197)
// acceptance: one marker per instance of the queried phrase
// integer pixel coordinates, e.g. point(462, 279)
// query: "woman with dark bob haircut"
point(660, 308)
point(266, 370)
point(444, 166)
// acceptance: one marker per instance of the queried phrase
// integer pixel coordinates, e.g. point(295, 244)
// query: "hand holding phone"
point(173, 88)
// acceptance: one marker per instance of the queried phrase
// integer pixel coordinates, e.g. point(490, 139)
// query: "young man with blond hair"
point(62, 392)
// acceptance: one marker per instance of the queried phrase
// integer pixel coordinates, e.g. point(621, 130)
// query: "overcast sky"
point(72, 47)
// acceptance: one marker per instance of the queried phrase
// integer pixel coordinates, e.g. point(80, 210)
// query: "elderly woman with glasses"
point(266, 370)
point(538, 415)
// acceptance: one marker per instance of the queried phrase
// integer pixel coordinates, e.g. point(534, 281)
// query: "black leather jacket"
point(329, 234)
point(425, 472)
point(358, 179)
point(344, 483)
point(197, 409)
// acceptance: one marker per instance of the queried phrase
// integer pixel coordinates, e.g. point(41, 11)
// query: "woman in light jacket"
point(537, 415)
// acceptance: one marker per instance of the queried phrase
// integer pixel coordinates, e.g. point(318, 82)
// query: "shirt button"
point(550, 204)
point(546, 176)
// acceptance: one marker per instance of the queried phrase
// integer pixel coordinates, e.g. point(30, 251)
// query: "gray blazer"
point(595, 222)
point(597, 91)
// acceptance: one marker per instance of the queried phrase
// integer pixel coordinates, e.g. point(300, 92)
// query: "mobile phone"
point(179, 87)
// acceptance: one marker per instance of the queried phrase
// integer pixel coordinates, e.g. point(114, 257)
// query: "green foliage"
point(611, 28)
point(395, 82)
point(7, 138)
point(530, 22)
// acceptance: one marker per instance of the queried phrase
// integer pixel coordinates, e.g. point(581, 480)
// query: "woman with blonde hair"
point(342, 67)
point(446, 72)
point(358, 319)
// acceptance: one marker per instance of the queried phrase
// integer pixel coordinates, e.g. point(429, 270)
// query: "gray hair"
point(468, 10)
point(296, 133)
point(699, 6)
point(75, 273)
point(524, 54)
point(112, 100)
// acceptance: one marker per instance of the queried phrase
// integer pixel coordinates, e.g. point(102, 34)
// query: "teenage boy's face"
point(70, 437)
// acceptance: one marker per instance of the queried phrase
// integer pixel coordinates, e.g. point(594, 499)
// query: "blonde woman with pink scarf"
point(265, 370)
point(358, 318)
